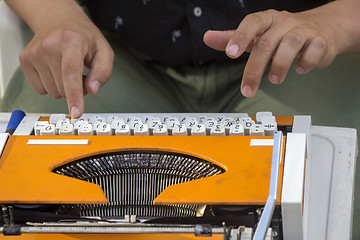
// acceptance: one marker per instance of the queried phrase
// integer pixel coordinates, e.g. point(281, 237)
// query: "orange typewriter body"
point(26, 170)
point(26, 175)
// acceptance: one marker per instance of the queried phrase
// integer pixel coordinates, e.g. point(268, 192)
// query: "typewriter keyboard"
point(177, 124)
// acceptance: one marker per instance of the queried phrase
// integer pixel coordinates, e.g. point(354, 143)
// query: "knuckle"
point(294, 39)
point(285, 12)
point(34, 54)
point(271, 11)
point(23, 58)
point(264, 45)
point(68, 72)
point(47, 44)
point(252, 75)
point(254, 17)
point(320, 43)
point(289, 20)
point(68, 34)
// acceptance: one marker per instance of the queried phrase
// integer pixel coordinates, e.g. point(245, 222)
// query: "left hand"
point(282, 37)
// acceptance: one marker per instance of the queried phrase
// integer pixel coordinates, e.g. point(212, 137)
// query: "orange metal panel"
point(284, 120)
point(26, 177)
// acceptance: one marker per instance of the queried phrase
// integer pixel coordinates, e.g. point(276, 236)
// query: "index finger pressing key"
point(72, 67)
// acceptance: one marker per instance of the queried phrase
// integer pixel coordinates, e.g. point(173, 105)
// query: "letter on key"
point(198, 130)
point(123, 129)
point(236, 130)
point(179, 130)
point(48, 129)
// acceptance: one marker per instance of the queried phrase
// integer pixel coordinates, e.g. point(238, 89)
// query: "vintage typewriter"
point(155, 176)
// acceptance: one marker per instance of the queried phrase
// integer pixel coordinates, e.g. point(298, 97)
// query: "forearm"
point(42, 14)
point(341, 18)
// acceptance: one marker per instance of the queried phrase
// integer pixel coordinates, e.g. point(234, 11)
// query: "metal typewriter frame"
point(345, 146)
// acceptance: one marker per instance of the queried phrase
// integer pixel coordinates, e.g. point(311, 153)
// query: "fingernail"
point(274, 79)
point(247, 91)
point(74, 112)
point(232, 50)
point(95, 86)
point(300, 70)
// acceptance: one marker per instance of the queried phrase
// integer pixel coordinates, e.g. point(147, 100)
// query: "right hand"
point(54, 60)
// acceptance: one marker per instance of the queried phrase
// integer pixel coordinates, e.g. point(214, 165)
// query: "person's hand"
point(53, 61)
point(282, 37)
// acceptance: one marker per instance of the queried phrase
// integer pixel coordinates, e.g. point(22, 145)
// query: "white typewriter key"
point(239, 116)
point(165, 118)
point(179, 130)
point(218, 130)
point(54, 118)
point(247, 124)
point(198, 130)
point(170, 124)
point(257, 130)
point(133, 125)
point(228, 122)
point(134, 121)
point(75, 120)
point(111, 118)
point(245, 119)
point(131, 119)
point(182, 120)
point(103, 129)
point(141, 129)
point(48, 129)
point(270, 128)
point(96, 125)
point(153, 123)
point(85, 129)
point(190, 123)
point(61, 122)
point(96, 118)
point(38, 125)
point(147, 119)
point(219, 118)
point(268, 119)
point(161, 130)
point(222, 119)
point(171, 121)
point(202, 119)
point(115, 123)
point(237, 130)
point(260, 115)
point(66, 129)
point(209, 123)
point(123, 130)
point(78, 124)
